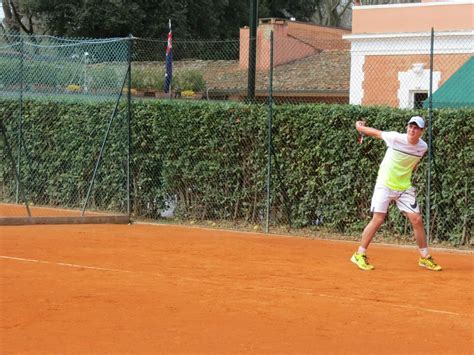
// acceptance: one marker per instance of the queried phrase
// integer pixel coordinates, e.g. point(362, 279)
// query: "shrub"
point(212, 157)
point(190, 80)
point(105, 77)
point(147, 78)
point(73, 88)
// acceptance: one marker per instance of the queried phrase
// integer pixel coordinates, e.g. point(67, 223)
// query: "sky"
point(1, 12)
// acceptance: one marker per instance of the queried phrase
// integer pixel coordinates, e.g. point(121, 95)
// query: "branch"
point(6, 9)
point(346, 7)
point(18, 18)
point(30, 22)
point(336, 4)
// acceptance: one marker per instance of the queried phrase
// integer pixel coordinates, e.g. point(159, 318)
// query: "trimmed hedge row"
point(330, 177)
point(211, 160)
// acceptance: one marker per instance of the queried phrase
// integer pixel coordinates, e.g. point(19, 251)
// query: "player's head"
point(418, 121)
point(415, 128)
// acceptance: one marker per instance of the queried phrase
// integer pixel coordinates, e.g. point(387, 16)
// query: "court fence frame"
point(273, 183)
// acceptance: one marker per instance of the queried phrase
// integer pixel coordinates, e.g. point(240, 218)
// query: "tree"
point(335, 13)
point(18, 17)
point(216, 19)
point(301, 10)
point(331, 12)
point(191, 19)
point(385, 2)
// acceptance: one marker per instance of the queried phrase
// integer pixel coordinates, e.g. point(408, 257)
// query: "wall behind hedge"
point(210, 159)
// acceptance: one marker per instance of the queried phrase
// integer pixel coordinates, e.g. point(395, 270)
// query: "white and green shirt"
point(400, 159)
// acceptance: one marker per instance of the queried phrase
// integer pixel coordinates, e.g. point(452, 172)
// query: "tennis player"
point(404, 151)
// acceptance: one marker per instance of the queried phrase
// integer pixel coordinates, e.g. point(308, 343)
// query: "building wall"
point(382, 75)
point(292, 41)
point(321, 37)
point(417, 17)
point(389, 43)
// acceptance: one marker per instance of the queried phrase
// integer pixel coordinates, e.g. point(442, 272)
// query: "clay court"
point(143, 289)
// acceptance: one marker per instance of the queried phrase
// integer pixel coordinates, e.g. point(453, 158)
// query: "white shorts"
point(406, 200)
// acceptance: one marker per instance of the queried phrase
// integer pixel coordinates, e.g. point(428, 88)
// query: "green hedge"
point(330, 178)
point(212, 158)
point(60, 146)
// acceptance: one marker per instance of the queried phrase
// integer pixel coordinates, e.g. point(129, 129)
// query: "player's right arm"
point(368, 131)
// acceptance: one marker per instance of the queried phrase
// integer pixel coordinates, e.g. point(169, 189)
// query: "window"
point(418, 99)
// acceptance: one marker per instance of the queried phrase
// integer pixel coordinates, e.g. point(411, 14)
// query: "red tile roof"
point(325, 71)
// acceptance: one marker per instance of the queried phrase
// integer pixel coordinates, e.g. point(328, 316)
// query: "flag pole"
point(169, 62)
point(170, 44)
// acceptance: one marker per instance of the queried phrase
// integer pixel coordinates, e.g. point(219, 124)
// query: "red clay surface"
point(145, 289)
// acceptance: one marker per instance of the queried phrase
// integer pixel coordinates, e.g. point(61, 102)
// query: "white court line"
point(249, 288)
point(63, 264)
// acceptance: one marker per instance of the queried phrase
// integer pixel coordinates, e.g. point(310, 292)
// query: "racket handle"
point(360, 137)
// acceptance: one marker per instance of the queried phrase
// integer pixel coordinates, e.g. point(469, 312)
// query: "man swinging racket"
point(404, 151)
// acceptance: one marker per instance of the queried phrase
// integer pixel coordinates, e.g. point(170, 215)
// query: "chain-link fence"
point(61, 106)
point(204, 151)
point(428, 74)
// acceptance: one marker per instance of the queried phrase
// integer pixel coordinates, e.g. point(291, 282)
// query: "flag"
point(169, 61)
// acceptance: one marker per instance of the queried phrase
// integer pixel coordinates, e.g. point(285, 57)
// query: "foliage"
point(218, 19)
point(57, 164)
point(18, 16)
point(212, 159)
point(151, 77)
point(50, 75)
point(144, 77)
point(191, 19)
point(189, 80)
point(73, 88)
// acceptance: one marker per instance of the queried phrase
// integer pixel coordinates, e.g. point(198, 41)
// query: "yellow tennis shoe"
point(429, 263)
point(361, 261)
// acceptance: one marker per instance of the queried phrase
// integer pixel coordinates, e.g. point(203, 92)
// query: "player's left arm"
point(368, 131)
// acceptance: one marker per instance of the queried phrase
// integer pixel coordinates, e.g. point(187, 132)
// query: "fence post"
point(104, 142)
point(270, 145)
point(430, 142)
point(3, 130)
point(252, 50)
point(129, 119)
point(20, 122)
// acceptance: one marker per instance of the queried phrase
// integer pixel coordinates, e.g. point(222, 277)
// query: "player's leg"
point(372, 228)
point(426, 260)
point(419, 231)
point(379, 205)
point(408, 205)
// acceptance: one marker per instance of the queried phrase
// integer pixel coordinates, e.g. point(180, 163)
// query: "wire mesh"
point(197, 154)
point(200, 152)
point(58, 97)
point(399, 72)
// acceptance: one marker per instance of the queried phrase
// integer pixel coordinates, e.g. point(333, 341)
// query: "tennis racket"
point(360, 137)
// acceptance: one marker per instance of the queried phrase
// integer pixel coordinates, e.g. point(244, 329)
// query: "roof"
point(457, 91)
point(324, 71)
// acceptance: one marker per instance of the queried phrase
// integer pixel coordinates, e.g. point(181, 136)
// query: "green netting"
point(200, 153)
point(63, 108)
point(49, 66)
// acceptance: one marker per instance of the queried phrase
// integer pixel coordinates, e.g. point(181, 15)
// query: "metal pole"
point(129, 119)
point(10, 156)
point(252, 49)
point(430, 141)
point(20, 123)
point(270, 145)
point(102, 148)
